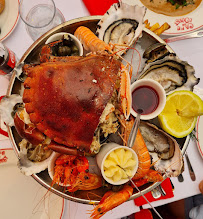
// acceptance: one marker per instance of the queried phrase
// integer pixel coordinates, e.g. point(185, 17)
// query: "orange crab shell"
point(66, 99)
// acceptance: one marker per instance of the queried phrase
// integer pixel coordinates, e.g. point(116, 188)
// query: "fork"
point(185, 36)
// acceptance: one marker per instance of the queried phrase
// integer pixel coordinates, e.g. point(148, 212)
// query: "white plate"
point(21, 196)
point(199, 134)
point(180, 24)
point(9, 18)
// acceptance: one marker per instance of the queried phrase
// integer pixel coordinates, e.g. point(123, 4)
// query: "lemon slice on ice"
point(180, 113)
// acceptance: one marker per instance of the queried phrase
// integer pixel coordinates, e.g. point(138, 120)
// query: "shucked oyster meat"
point(121, 24)
point(171, 72)
point(164, 150)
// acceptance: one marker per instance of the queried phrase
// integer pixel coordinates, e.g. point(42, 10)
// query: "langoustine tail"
point(140, 148)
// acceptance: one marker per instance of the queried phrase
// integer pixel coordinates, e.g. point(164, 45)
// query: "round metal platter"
point(32, 56)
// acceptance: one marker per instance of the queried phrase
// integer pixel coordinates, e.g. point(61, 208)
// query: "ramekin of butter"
point(117, 163)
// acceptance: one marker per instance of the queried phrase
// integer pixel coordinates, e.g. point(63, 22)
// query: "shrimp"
point(72, 172)
point(86, 181)
point(139, 147)
point(111, 200)
point(92, 43)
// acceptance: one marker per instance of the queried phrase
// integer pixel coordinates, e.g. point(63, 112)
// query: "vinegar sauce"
point(146, 99)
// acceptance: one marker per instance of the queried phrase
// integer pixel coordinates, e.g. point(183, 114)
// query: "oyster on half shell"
point(164, 150)
point(32, 159)
point(171, 72)
point(121, 24)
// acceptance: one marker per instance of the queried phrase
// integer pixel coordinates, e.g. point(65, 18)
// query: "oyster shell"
point(155, 51)
point(171, 72)
point(28, 161)
point(121, 24)
point(164, 150)
point(8, 106)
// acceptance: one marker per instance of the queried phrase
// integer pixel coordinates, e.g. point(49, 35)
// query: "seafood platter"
point(69, 105)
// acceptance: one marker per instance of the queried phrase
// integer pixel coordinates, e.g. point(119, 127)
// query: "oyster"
point(171, 72)
point(32, 159)
point(164, 150)
point(121, 24)
point(155, 51)
point(8, 106)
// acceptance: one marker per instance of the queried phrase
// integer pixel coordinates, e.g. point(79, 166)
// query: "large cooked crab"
point(65, 99)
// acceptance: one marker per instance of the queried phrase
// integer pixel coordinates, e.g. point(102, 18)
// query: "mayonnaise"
point(115, 161)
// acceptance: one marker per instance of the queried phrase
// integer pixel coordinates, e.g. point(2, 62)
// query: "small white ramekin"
point(102, 155)
point(160, 91)
point(59, 36)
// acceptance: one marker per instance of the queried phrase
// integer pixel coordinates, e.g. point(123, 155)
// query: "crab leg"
point(64, 149)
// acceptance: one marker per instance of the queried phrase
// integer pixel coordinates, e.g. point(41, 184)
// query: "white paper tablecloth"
point(189, 50)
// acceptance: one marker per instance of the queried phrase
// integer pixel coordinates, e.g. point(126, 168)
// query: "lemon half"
point(180, 113)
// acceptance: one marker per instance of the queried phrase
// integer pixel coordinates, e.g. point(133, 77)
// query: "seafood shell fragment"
point(122, 24)
point(171, 72)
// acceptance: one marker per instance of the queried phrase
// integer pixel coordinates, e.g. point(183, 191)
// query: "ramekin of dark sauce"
point(149, 96)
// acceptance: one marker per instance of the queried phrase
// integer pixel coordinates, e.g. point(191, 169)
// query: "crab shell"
point(66, 99)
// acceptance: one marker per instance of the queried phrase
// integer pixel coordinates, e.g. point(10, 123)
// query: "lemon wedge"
point(179, 116)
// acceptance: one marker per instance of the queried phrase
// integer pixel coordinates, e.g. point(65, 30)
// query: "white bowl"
point(160, 91)
point(102, 155)
point(59, 36)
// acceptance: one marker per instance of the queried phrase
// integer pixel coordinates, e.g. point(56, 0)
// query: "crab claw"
point(27, 131)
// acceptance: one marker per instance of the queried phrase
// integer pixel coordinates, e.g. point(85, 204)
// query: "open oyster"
point(164, 150)
point(32, 159)
point(8, 107)
point(121, 24)
point(171, 72)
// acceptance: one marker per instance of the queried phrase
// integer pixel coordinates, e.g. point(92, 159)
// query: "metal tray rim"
point(11, 137)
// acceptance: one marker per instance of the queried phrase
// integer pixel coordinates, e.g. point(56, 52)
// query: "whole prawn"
point(111, 200)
